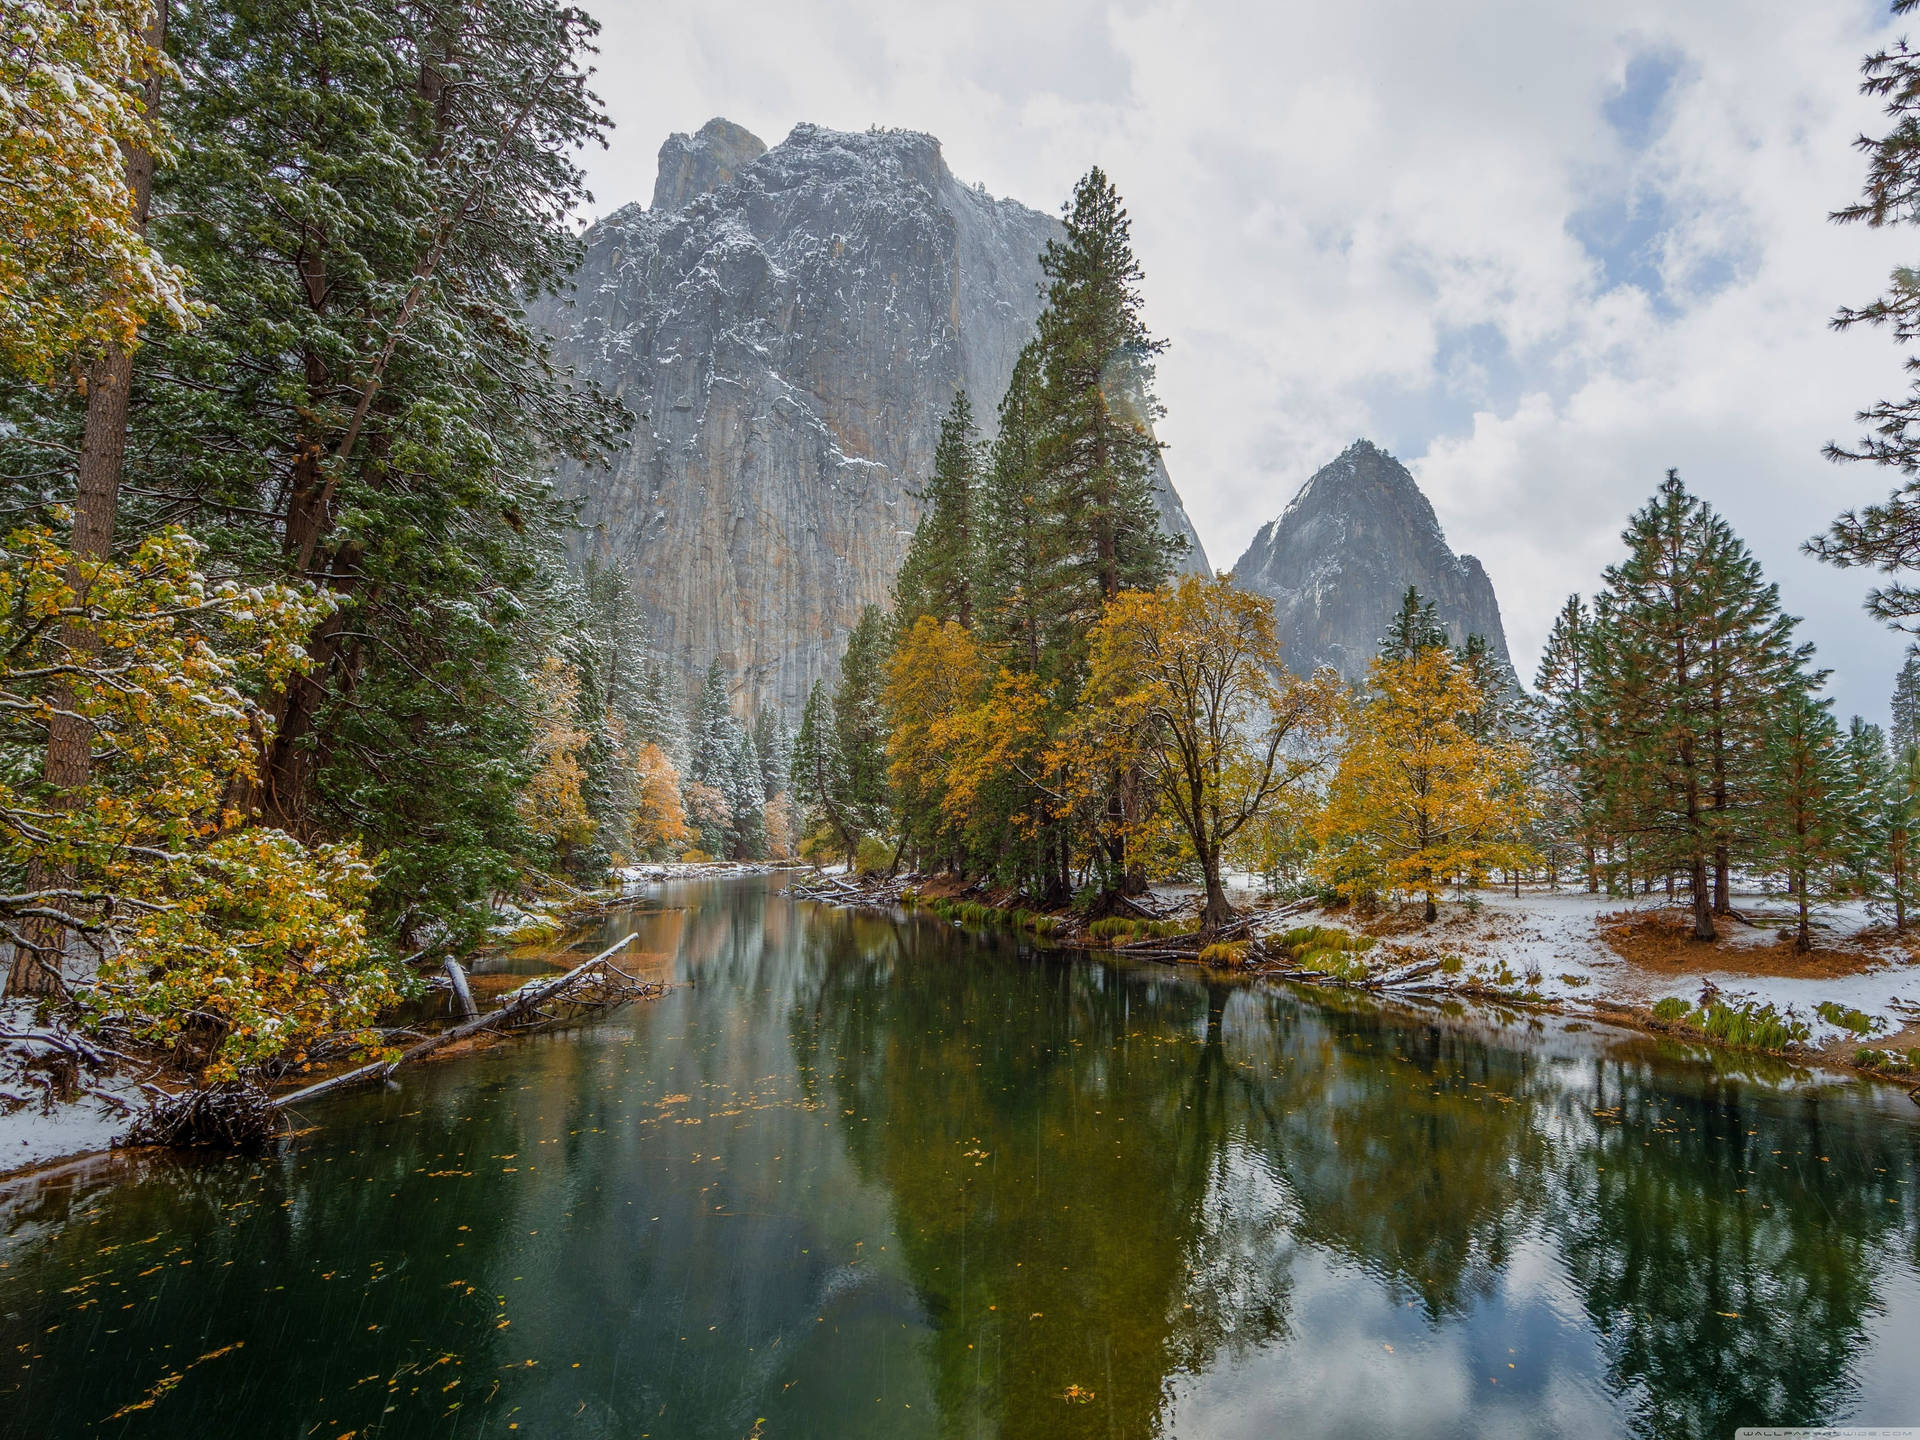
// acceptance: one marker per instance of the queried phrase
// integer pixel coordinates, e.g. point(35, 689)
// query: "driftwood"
point(222, 1117)
point(593, 985)
point(462, 996)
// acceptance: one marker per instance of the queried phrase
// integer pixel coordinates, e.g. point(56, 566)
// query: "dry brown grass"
point(1662, 941)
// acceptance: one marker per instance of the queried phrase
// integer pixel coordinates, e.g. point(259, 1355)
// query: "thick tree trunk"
point(1218, 911)
point(103, 448)
point(1702, 901)
point(1722, 882)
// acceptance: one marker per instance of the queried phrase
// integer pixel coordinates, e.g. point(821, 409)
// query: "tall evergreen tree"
point(746, 798)
point(1807, 799)
point(773, 743)
point(939, 575)
point(1414, 627)
point(1901, 827)
point(817, 776)
point(1905, 706)
point(1023, 531)
point(1867, 777)
point(1564, 735)
point(860, 723)
point(1690, 653)
point(710, 731)
point(1095, 442)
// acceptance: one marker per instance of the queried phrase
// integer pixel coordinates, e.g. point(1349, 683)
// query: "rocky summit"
point(789, 325)
point(1341, 555)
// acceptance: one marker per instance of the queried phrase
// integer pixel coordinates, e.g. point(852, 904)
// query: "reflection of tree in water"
point(1062, 1188)
point(1413, 1149)
point(1726, 1241)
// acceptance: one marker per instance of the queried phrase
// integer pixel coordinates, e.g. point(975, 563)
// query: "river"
point(860, 1175)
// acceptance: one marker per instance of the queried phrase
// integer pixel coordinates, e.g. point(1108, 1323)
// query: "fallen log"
point(457, 978)
point(522, 1007)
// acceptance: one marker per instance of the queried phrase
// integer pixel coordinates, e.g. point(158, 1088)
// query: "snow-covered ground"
point(36, 1126)
point(1550, 945)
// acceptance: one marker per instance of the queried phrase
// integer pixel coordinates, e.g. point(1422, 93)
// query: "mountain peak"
point(1340, 557)
point(697, 164)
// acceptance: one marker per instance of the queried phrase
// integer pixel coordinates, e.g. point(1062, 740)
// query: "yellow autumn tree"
point(659, 819)
point(933, 683)
point(77, 78)
point(1187, 683)
point(231, 943)
point(1421, 797)
point(552, 804)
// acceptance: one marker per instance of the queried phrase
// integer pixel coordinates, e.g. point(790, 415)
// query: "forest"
point(301, 688)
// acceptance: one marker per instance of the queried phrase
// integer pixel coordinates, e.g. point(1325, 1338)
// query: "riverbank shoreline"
point(86, 1110)
point(1552, 953)
point(1604, 959)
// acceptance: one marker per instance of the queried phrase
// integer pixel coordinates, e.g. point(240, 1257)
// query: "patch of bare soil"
point(1662, 942)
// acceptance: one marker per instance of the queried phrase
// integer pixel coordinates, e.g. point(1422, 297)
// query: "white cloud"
point(1542, 251)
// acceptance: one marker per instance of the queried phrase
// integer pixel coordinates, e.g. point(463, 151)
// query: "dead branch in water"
point(595, 985)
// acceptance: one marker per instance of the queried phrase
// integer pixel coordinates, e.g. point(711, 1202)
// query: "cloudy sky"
point(1541, 250)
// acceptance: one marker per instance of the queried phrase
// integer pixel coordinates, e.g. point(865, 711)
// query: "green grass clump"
point(1118, 929)
point(1672, 1010)
point(1344, 965)
point(1451, 964)
point(1888, 1062)
point(1748, 1027)
point(1845, 1017)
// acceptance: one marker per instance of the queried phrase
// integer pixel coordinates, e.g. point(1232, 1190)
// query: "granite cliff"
point(789, 325)
point(1341, 555)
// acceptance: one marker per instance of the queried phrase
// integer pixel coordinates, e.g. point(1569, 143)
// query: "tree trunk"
point(1722, 882)
point(1702, 901)
point(1803, 942)
point(103, 448)
point(1218, 911)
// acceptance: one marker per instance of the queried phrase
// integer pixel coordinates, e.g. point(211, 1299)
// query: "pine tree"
point(710, 730)
point(712, 741)
point(773, 743)
point(746, 798)
point(1886, 537)
point(1564, 736)
point(1905, 706)
point(1867, 777)
point(1415, 626)
point(1900, 824)
point(1095, 444)
point(1023, 531)
point(937, 577)
point(1690, 652)
point(817, 776)
point(1807, 800)
point(860, 723)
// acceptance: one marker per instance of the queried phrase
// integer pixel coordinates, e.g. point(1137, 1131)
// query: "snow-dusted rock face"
point(790, 325)
point(1341, 555)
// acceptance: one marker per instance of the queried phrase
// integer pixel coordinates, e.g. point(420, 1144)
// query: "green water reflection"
point(872, 1177)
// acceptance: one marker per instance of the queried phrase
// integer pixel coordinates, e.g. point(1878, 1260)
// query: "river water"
point(869, 1176)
